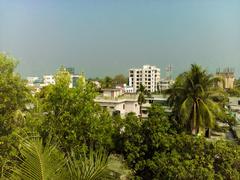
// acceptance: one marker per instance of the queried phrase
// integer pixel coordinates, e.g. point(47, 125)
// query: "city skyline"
point(110, 37)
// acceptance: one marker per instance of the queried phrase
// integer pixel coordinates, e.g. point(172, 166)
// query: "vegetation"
point(142, 92)
point(72, 116)
point(108, 82)
point(193, 98)
point(236, 90)
point(153, 150)
point(14, 95)
point(47, 162)
point(61, 133)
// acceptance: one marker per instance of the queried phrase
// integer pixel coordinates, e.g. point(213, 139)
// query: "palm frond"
point(186, 108)
point(38, 162)
point(93, 166)
point(207, 115)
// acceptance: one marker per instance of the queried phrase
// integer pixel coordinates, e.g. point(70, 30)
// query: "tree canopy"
point(14, 95)
point(193, 99)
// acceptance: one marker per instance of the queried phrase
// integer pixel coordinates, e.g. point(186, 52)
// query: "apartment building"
point(148, 76)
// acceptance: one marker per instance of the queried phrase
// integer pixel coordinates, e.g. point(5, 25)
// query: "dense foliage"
point(153, 150)
point(14, 96)
point(72, 116)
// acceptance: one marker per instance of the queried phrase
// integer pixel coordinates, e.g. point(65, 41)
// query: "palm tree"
point(192, 98)
point(141, 97)
point(38, 162)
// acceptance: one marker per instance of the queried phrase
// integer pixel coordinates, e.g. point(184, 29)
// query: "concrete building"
point(164, 84)
point(234, 104)
point(155, 99)
point(31, 80)
point(128, 89)
point(228, 78)
point(148, 76)
point(36, 83)
point(118, 102)
point(48, 79)
point(234, 107)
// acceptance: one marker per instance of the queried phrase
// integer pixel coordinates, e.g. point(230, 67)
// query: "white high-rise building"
point(148, 76)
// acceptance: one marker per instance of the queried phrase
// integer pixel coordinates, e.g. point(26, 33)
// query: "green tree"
point(193, 99)
point(153, 150)
point(234, 92)
point(72, 116)
point(142, 92)
point(14, 96)
point(237, 83)
point(107, 82)
point(119, 79)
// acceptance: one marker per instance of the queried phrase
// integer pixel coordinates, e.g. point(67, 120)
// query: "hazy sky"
point(106, 37)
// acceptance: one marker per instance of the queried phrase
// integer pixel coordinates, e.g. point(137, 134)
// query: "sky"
point(107, 37)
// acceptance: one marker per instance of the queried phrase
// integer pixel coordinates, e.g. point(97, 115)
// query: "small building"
point(164, 84)
point(234, 104)
point(155, 99)
point(118, 102)
point(112, 93)
point(32, 79)
point(126, 88)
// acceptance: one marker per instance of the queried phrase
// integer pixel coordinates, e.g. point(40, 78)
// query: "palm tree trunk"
point(140, 111)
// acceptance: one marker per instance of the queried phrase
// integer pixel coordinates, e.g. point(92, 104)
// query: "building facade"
point(228, 78)
point(165, 84)
point(118, 103)
point(148, 76)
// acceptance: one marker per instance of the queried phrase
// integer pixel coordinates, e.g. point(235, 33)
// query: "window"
point(238, 102)
point(123, 106)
